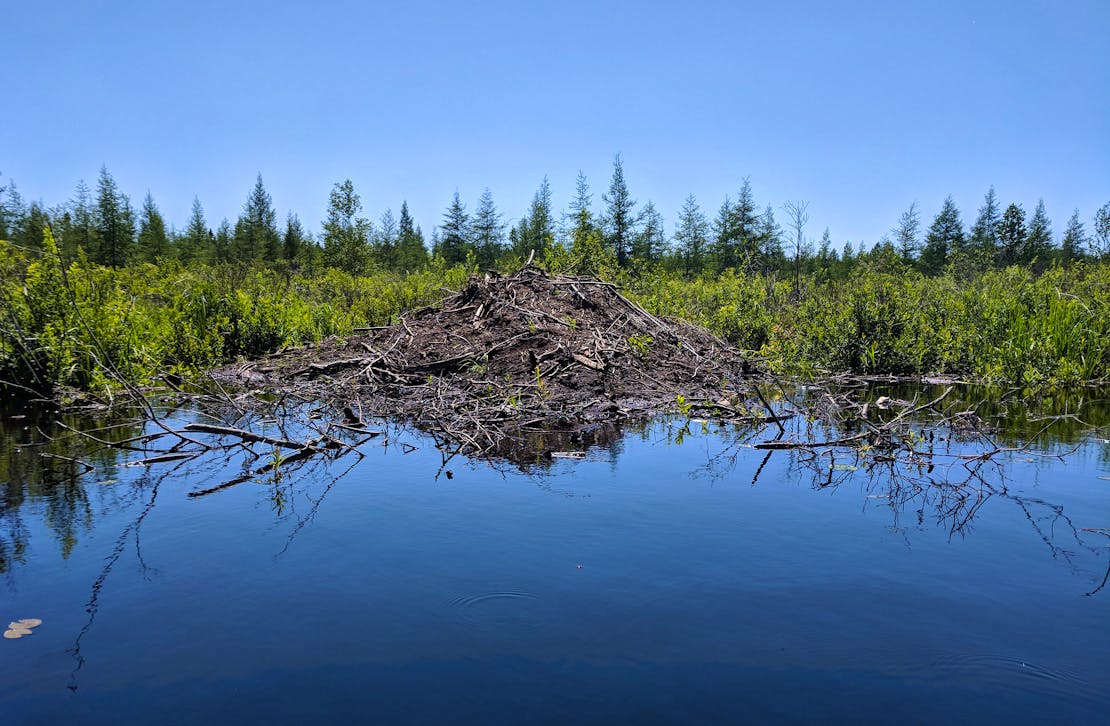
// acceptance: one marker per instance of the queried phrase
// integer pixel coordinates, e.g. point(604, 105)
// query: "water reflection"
point(945, 476)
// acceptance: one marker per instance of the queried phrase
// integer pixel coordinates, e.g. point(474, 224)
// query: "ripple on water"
point(1008, 672)
point(506, 608)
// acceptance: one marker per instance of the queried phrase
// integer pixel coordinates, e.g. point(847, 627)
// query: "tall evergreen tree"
point(411, 253)
point(256, 234)
point(1074, 242)
point(153, 240)
point(619, 221)
point(745, 228)
point(294, 242)
point(982, 244)
point(346, 235)
point(906, 234)
point(222, 242)
point(488, 230)
point(1011, 235)
point(454, 233)
point(770, 238)
point(650, 241)
point(385, 241)
point(692, 236)
point(578, 220)
point(1038, 243)
point(944, 240)
point(115, 223)
point(83, 229)
point(11, 211)
point(536, 230)
point(724, 236)
point(196, 242)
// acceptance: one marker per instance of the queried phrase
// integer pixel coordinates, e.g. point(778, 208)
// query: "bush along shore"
point(71, 324)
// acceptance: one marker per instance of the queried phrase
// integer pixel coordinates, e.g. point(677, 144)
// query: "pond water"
point(676, 575)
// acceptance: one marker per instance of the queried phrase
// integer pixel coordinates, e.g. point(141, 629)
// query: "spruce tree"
point(454, 239)
point(411, 253)
point(385, 241)
point(692, 236)
point(578, 220)
point(223, 242)
point(1011, 235)
point(906, 234)
point(650, 241)
point(11, 211)
point(745, 228)
point(82, 231)
point(1038, 243)
point(944, 240)
point(293, 242)
point(153, 241)
point(724, 236)
point(619, 221)
point(1074, 241)
point(488, 230)
point(115, 223)
point(982, 244)
point(256, 235)
point(196, 242)
point(770, 238)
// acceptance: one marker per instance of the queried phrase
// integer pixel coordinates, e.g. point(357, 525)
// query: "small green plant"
point(641, 345)
point(572, 322)
point(683, 405)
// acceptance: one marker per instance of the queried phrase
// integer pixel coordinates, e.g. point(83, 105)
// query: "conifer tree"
point(385, 241)
point(578, 220)
point(223, 242)
point(1011, 235)
point(115, 223)
point(256, 235)
point(650, 241)
point(489, 230)
point(944, 240)
point(454, 239)
point(535, 231)
point(1038, 243)
point(770, 238)
point(196, 242)
point(619, 221)
point(1074, 242)
point(724, 236)
point(692, 236)
point(411, 253)
point(982, 245)
point(11, 211)
point(153, 241)
point(81, 234)
point(745, 228)
point(906, 234)
point(346, 235)
point(294, 241)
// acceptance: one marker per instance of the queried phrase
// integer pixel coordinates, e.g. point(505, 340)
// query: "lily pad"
point(16, 633)
point(28, 622)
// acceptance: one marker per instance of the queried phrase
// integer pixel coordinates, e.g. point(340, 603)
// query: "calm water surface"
point(652, 582)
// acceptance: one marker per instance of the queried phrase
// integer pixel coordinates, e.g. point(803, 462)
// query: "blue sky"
point(859, 108)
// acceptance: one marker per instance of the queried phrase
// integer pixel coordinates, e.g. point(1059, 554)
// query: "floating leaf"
point(16, 633)
point(29, 622)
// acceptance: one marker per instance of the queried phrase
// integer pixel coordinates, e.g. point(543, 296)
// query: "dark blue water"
point(652, 582)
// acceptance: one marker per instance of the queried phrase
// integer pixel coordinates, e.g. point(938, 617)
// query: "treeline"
point(103, 225)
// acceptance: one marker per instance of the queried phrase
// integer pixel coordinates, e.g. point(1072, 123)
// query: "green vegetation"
point(90, 290)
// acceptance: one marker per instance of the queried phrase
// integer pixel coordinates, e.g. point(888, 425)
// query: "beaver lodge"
point(520, 365)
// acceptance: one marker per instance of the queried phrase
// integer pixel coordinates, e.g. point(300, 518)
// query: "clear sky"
point(858, 107)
